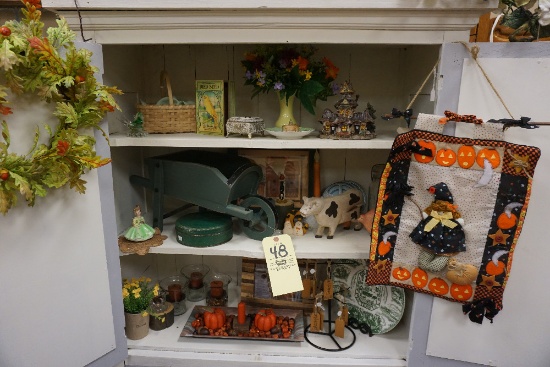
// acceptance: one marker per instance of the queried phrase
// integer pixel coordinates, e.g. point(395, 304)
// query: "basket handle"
point(165, 79)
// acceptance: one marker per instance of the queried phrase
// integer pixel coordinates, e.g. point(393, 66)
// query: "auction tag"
point(345, 314)
point(339, 327)
point(282, 265)
point(315, 322)
point(306, 283)
point(328, 289)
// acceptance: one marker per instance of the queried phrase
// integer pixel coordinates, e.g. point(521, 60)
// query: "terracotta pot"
point(137, 326)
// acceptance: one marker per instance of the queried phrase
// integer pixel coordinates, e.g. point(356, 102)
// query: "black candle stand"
point(330, 334)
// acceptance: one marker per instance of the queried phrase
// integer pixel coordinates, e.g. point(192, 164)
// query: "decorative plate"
point(279, 134)
point(339, 187)
point(380, 306)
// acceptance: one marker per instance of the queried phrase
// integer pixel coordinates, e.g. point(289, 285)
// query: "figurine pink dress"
point(139, 231)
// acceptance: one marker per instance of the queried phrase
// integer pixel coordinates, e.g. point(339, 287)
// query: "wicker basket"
point(161, 119)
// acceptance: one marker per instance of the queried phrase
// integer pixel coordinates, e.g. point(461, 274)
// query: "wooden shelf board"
point(191, 140)
point(348, 244)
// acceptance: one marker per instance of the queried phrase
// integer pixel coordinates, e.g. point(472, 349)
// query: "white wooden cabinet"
point(386, 48)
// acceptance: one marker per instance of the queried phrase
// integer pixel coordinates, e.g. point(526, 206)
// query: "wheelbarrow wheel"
point(264, 221)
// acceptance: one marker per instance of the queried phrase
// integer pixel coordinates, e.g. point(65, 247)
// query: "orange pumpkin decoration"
point(265, 320)
point(503, 222)
point(384, 247)
point(491, 155)
point(424, 158)
point(493, 269)
point(445, 157)
point(214, 319)
point(438, 286)
point(401, 273)
point(419, 278)
point(461, 292)
point(466, 156)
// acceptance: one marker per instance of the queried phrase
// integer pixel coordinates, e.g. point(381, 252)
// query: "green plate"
point(380, 306)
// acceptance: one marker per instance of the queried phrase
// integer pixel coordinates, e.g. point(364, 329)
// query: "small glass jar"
point(217, 289)
point(175, 287)
point(195, 274)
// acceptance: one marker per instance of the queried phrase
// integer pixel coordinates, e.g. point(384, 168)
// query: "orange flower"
point(301, 62)
point(5, 110)
point(331, 69)
point(36, 3)
point(106, 106)
point(62, 147)
point(36, 43)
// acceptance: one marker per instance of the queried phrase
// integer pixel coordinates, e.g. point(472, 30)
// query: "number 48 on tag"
point(282, 265)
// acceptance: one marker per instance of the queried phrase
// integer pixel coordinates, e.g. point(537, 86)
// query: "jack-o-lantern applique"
point(401, 273)
point(419, 278)
point(495, 266)
point(488, 154)
point(466, 156)
point(438, 286)
point(461, 292)
point(508, 219)
point(425, 158)
point(445, 157)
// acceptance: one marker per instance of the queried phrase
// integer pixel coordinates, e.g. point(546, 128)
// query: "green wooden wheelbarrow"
point(215, 181)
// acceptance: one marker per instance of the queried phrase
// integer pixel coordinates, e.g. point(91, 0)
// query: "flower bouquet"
point(137, 295)
point(290, 71)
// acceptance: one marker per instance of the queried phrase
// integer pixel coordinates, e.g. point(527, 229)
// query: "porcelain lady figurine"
point(139, 231)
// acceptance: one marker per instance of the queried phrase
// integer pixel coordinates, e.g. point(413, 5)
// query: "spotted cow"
point(331, 211)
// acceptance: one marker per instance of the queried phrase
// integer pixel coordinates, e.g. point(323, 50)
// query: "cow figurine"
point(331, 211)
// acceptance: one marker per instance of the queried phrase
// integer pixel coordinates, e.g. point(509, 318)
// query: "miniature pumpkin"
point(461, 273)
point(426, 145)
point(214, 319)
point(461, 292)
point(493, 269)
point(466, 156)
point(401, 273)
point(438, 286)
point(445, 157)
point(505, 222)
point(384, 247)
point(495, 266)
point(491, 155)
point(265, 320)
point(419, 278)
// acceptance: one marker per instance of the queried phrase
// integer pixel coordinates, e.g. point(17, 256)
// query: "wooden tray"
point(296, 336)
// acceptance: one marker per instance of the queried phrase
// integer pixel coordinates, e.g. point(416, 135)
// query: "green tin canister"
point(204, 229)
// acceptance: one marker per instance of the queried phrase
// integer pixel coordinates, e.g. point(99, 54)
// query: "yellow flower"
point(148, 280)
point(125, 293)
point(308, 75)
point(144, 313)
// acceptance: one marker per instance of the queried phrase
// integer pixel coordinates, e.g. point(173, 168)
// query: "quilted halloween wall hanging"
point(450, 211)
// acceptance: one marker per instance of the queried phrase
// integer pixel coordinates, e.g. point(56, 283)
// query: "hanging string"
point(474, 51)
point(432, 72)
point(80, 20)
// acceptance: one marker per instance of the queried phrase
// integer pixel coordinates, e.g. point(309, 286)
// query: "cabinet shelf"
point(388, 349)
point(346, 244)
point(191, 140)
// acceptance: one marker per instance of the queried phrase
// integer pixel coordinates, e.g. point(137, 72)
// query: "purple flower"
point(335, 88)
point(249, 75)
point(279, 86)
point(260, 82)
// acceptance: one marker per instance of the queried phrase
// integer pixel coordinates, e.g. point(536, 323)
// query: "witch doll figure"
point(139, 231)
point(439, 233)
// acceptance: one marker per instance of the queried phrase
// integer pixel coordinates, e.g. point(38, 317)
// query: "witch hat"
point(441, 192)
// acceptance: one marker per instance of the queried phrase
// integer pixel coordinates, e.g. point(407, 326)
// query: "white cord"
point(494, 26)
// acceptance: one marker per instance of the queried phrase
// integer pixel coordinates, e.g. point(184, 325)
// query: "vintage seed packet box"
point(212, 106)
